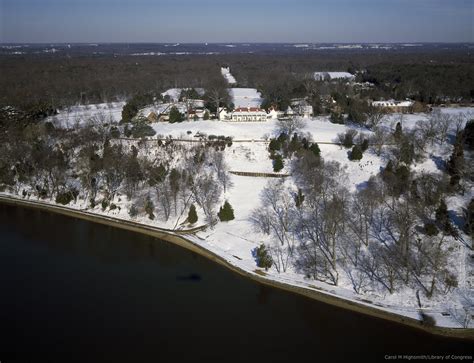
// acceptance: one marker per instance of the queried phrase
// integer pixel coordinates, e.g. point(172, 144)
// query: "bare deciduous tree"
point(290, 125)
point(379, 139)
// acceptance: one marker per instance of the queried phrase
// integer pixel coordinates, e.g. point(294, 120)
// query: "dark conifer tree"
point(226, 212)
point(356, 153)
point(263, 257)
point(398, 134)
point(192, 215)
point(455, 164)
point(277, 163)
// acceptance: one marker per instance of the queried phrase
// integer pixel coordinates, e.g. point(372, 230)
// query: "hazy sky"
point(236, 20)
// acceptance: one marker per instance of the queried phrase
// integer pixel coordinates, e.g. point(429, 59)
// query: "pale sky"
point(190, 21)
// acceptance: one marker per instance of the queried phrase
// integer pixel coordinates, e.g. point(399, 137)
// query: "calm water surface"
point(72, 290)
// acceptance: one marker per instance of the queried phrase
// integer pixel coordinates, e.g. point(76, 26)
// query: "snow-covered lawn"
point(69, 117)
point(409, 120)
point(236, 239)
point(250, 157)
point(320, 128)
point(174, 93)
point(245, 97)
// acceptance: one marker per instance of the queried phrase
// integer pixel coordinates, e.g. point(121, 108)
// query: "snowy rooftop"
point(333, 75)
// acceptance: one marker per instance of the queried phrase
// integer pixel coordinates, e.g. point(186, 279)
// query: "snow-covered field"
point(174, 93)
point(245, 97)
point(409, 120)
point(69, 117)
point(320, 128)
point(236, 239)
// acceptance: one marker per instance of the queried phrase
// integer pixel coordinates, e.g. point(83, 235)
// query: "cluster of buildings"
point(244, 114)
point(299, 107)
point(240, 114)
point(191, 109)
point(195, 110)
point(331, 76)
point(394, 106)
point(248, 100)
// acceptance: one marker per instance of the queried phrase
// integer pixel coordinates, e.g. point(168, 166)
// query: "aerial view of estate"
point(236, 181)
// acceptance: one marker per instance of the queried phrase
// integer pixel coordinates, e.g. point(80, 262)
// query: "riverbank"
point(184, 239)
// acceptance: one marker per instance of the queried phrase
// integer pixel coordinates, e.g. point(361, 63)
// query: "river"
point(72, 290)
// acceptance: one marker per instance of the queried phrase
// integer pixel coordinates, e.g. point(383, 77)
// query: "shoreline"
point(178, 238)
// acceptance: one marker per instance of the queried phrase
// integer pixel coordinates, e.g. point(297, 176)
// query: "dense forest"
point(429, 77)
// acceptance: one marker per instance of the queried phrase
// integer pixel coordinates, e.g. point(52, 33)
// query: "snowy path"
point(225, 71)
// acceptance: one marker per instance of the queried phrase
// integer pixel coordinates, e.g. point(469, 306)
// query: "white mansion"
point(245, 114)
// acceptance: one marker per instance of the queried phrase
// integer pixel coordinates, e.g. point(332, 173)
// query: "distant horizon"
point(253, 43)
point(236, 21)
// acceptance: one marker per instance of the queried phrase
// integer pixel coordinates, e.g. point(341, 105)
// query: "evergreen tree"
point(356, 153)
point(149, 208)
point(469, 135)
point(442, 218)
point(348, 140)
point(277, 163)
point(133, 212)
point(430, 229)
point(175, 115)
point(129, 111)
point(403, 175)
point(469, 220)
point(282, 138)
point(274, 145)
point(455, 164)
point(226, 212)
point(365, 145)
point(299, 198)
point(264, 259)
point(126, 131)
point(336, 118)
point(295, 144)
point(206, 115)
point(131, 108)
point(314, 148)
point(407, 151)
point(442, 212)
point(142, 130)
point(192, 215)
point(389, 167)
point(398, 134)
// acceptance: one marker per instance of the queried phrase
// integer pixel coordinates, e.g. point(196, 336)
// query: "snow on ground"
point(236, 237)
point(249, 157)
point(225, 71)
point(333, 75)
point(320, 128)
point(174, 93)
point(69, 117)
point(245, 97)
point(163, 108)
point(235, 240)
point(409, 121)
point(358, 172)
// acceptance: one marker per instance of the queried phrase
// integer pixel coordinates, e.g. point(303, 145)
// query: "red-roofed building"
point(249, 114)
